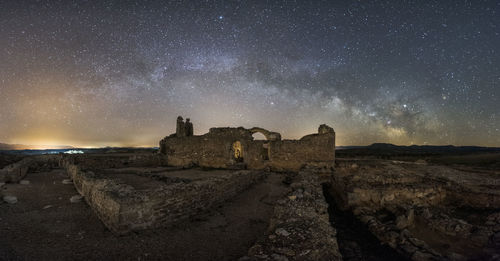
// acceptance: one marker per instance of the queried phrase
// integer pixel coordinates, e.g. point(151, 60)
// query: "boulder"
point(10, 199)
point(76, 198)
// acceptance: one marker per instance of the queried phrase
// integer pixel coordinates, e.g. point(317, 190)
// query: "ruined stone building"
point(236, 148)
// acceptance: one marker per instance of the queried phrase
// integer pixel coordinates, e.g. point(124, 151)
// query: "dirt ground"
point(45, 225)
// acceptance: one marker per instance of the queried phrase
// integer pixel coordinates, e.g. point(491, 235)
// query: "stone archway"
point(270, 136)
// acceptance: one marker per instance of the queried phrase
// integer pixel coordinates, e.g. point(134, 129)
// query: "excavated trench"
point(355, 241)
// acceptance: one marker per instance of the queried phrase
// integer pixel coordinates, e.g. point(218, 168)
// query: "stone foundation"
point(300, 227)
point(118, 160)
point(17, 171)
point(411, 207)
point(153, 200)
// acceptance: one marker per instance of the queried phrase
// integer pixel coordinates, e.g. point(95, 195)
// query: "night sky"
point(118, 73)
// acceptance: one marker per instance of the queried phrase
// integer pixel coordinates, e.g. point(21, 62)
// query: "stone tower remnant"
point(189, 128)
point(325, 129)
point(180, 130)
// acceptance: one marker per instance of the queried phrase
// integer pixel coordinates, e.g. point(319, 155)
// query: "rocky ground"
point(367, 209)
point(423, 211)
point(45, 225)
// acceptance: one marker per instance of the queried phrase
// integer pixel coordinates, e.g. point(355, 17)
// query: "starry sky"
point(118, 73)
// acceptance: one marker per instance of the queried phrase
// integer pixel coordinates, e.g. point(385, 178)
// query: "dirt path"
point(44, 225)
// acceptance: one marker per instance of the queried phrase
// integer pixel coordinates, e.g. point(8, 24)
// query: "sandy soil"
point(45, 225)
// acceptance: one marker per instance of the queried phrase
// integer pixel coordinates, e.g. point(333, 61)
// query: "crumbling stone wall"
point(17, 171)
point(215, 149)
point(294, 154)
point(104, 161)
point(122, 208)
point(400, 202)
point(303, 214)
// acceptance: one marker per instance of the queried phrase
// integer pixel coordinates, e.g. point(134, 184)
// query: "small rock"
point(76, 198)
point(457, 257)
point(10, 199)
point(427, 214)
point(305, 252)
point(282, 232)
point(48, 206)
point(389, 197)
point(67, 181)
point(354, 166)
point(421, 161)
point(286, 251)
point(410, 216)
point(420, 256)
point(279, 257)
point(417, 242)
point(24, 182)
point(293, 197)
point(408, 248)
point(489, 223)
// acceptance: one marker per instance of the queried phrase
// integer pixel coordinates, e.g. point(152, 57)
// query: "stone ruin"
point(235, 148)
point(183, 129)
point(417, 211)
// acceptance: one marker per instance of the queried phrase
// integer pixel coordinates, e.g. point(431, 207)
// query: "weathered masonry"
point(236, 148)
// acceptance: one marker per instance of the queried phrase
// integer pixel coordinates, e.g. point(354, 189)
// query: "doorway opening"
point(238, 151)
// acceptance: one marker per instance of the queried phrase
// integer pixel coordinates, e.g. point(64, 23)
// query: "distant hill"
point(432, 148)
point(4, 146)
point(388, 150)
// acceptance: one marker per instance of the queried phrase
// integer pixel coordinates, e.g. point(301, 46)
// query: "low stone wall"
point(473, 198)
point(385, 186)
point(300, 227)
point(45, 162)
point(123, 209)
point(119, 160)
point(380, 198)
point(17, 171)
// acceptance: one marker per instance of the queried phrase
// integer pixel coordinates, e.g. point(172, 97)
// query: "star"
point(87, 74)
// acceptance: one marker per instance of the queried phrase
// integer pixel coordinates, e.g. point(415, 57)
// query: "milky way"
point(118, 73)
